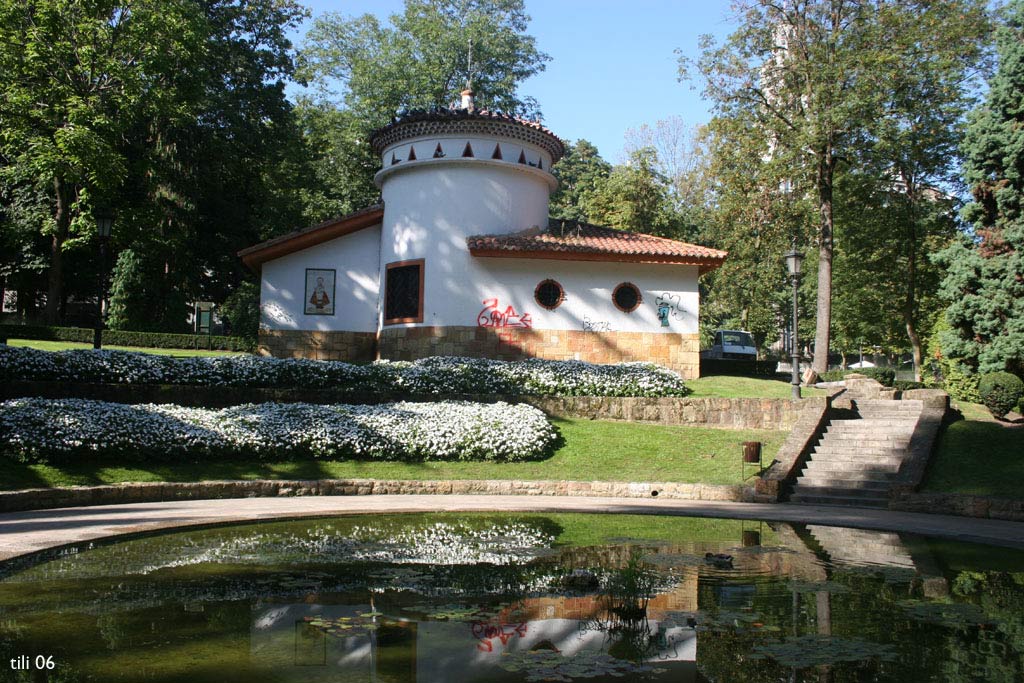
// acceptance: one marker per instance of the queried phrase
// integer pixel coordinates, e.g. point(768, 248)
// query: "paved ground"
point(27, 532)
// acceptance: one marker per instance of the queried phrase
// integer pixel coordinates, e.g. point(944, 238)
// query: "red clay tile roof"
point(584, 242)
point(277, 247)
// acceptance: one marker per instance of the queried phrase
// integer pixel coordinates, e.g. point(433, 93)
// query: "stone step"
point(889, 420)
point(819, 479)
point(855, 452)
point(885, 403)
point(857, 459)
point(842, 471)
point(848, 438)
point(854, 546)
point(880, 413)
point(879, 469)
point(809, 498)
point(887, 406)
point(857, 546)
point(885, 469)
point(876, 433)
point(880, 423)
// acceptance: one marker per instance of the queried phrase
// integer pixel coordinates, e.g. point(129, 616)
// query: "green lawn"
point(64, 346)
point(745, 387)
point(979, 456)
point(592, 451)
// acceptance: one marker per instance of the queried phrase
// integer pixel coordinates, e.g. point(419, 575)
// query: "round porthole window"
point(549, 294)
point(626, 297)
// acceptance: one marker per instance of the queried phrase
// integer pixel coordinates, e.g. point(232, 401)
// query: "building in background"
point(460, 258)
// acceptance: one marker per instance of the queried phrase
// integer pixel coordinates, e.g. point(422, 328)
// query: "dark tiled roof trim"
point(306, 237)
point(420, 122)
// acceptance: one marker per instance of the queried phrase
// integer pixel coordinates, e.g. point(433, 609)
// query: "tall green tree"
point(636, 197)
point(803, 71)
point(172, 113)
point(985, 283)
point(580, 172)
point(77, 77)
point(815, 78)
point(364, 72)
point(913, 155)
point(421, 58)
point(748, 211)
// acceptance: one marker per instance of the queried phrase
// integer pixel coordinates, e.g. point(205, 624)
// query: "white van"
point(732, 345)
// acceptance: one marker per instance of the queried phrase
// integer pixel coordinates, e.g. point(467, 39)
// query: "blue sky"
point(613, 63)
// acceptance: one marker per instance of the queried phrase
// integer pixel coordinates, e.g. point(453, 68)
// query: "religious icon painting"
point(320, 291)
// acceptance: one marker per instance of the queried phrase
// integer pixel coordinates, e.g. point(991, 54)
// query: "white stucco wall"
point(355, 257)
point(456, 296)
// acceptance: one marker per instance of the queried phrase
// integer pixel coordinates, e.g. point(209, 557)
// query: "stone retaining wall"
point(679, 352)
point(318, 345)
point(35, 499)
point(719, 413)
point(958, 504)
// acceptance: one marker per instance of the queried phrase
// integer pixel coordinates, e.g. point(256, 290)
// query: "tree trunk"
point(910, 300)
point(826, 171)
point(55, 289)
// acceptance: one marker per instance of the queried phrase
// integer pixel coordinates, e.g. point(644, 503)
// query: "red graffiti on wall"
point(486, 633)
point(492, 316)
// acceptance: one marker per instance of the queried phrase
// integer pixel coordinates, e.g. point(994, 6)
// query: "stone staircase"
point(862, 548)
point(857, 458)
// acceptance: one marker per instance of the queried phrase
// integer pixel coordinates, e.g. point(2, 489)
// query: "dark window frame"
point(418, 318)
point(561, 293)
point(639, 297)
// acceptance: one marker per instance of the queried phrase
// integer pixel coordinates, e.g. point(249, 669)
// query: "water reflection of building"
point(408, 647)
point(404, 650)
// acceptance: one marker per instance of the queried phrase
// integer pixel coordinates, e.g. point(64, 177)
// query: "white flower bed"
point(65, 430)
point(436, 375)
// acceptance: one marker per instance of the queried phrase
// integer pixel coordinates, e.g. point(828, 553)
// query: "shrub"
point(242, 310)
point(951, 374)
point(70, 430)
point(907, 385)
point(151, 340)
point(143, 296)
point(1000, 392)
point(436, 375)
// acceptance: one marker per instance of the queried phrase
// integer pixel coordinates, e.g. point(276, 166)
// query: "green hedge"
point(740, 368)
point(151, 340)
point(884, 376)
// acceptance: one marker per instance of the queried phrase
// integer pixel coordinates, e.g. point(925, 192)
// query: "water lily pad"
point(952, 614)
point(818, 587)
point(814, 650)
point(544, 665)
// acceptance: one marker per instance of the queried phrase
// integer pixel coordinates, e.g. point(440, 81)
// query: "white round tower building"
point(460, 258)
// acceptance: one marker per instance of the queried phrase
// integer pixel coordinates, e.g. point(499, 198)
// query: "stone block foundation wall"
point(318, 345)
point(679, 352)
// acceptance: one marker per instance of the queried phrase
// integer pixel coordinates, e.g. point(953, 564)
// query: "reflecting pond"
point(520, 597)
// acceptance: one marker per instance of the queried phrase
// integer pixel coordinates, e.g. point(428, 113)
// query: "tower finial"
point(467, 94)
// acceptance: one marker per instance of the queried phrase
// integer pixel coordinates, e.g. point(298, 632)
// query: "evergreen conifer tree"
point(985, 282)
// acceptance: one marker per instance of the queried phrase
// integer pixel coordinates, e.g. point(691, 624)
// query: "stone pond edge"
point(980, 507)
point(156, 492)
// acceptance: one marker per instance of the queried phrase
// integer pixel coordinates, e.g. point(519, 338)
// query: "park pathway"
point(27, 532)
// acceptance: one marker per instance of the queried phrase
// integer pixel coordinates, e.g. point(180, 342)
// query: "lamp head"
point(794, 260)
point(104, 222)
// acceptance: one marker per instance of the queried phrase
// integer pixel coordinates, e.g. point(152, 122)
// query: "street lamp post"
point(104, 226)
point(794, 259)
